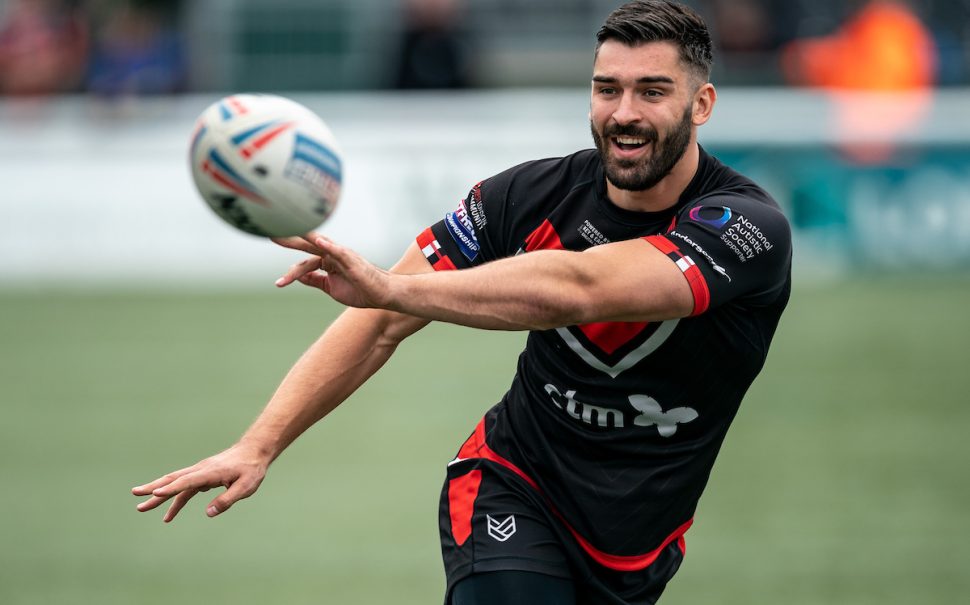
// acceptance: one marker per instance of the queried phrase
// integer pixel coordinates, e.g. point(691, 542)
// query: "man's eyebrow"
point(643, 80)
point(656, 80)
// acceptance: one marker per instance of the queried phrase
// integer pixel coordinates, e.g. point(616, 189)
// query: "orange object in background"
point(883, 49)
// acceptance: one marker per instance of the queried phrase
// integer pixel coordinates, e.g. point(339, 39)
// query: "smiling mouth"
point(629, 143)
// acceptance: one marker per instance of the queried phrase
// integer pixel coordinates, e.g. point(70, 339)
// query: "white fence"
point(98, 193)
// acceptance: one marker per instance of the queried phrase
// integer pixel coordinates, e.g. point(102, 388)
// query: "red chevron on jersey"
point(610, 336)
point(544, 238)
point(631, 352)
point(611, 347)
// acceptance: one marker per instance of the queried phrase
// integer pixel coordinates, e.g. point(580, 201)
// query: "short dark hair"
point(644, 21)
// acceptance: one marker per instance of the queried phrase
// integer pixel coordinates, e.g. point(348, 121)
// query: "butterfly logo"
point(652, 414)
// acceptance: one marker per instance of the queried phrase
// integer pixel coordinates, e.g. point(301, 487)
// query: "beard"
point(644, 173)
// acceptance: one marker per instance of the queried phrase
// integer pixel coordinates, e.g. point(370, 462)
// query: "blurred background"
point(138, 333)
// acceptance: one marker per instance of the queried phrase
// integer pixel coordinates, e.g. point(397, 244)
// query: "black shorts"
point(492, 518)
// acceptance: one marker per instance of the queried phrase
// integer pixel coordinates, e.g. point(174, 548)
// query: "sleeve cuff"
point(698, 285)
point(432, 251)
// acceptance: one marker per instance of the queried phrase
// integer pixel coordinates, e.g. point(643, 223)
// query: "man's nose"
point(626, 112)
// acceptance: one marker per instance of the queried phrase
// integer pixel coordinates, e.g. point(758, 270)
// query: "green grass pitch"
point(844, 479)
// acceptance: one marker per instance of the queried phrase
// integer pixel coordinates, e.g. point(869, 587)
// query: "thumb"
point(224, 501)
point(219, 505)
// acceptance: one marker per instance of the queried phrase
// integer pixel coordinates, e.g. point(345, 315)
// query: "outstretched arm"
point(352, 349)
point(622, 281)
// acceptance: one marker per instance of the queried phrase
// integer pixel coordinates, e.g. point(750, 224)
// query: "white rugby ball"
point(266, 164)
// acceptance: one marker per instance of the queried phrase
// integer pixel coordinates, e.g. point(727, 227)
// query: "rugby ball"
point(266, 164)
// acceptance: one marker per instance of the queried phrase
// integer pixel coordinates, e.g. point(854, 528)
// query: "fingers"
point(326, 256)
point(304, 267)
point(148, 488)
point(327, 246)
point(178, 503)
point(197, 481)
point(183, 489)
point(319, 281)
point(303, 243)
point(151, 503)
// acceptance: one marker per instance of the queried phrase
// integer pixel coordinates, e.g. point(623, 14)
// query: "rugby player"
point(651, 279)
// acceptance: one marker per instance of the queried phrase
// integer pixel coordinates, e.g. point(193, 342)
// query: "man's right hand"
point(240, 469)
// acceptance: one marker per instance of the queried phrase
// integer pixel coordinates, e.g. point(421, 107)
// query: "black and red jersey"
point(617, 425)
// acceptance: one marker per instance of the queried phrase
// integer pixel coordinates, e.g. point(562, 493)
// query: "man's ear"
point(703, 105)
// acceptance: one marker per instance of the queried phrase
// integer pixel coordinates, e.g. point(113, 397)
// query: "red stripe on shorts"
point(462, 492)
point(475, 447)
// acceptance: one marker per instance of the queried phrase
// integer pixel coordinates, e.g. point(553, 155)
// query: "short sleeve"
point(472, 233)
point(730, 248)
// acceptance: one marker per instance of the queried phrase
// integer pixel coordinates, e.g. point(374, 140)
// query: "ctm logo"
point(651, 413)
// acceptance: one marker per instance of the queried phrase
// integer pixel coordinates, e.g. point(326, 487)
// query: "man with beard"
point(651, 278)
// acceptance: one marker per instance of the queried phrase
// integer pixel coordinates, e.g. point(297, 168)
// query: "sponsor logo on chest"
point(647, 412)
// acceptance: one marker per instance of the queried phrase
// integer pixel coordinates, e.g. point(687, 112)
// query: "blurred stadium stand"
point(355, 44)
point(870, 181)
point(350, 44)
point(343, 44)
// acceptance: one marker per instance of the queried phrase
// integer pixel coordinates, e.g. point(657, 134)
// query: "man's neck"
point(664, 194)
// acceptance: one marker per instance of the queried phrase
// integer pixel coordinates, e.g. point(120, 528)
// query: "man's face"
point(641, 112)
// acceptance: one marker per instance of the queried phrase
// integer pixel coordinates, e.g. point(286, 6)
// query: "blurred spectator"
point(137, 49)
point(431, 54)
point(747, 34)
point(43, 47)
point(743, 26)
point(883, 48)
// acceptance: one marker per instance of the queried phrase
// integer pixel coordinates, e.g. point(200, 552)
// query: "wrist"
point(265, 449)
point(395, 292)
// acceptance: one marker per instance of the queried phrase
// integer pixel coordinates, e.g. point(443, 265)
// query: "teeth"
point(630, 141)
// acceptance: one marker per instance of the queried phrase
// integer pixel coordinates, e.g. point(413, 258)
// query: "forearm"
point(539, 290)
point(622, 281)
point(352, 349)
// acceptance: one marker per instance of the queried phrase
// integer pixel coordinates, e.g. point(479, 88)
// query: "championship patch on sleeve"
point(462, 230)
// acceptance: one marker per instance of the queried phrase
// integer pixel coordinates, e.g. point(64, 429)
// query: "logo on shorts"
point(501, 530)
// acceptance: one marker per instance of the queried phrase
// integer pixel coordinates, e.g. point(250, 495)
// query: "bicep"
point(634, 281)
point(412, 262)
